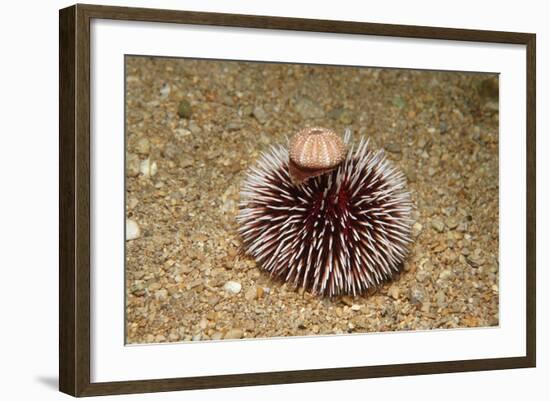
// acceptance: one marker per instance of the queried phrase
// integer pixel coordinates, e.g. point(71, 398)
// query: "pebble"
point(181, 133)
point(440, 298)
point(300, 324)
point(161, 295)
point(445, 275)
point(307, 108)
point(171, 151)
point(228, 101)
point(475, 260)
point(195, 283)
point(165, 91)
point(233, 126)
point(137, 289)
point(233, 334)
point(394, 291)
point(416, 296)
point(148, 168)
point(347, 300)
point(194, 128)
point(440, 247)
point(153, 169)
point(438, 225)
point(260, 114)
point(347, 117)
point(416, 229)
point(184, 109)
point(422, 275)
point(492, 106)
point(232, 287)
point(452, 223)
point(217, 336)
point(132, 203)
point(344, 116)
point(246, 111)
point(132, 164)
point(250, 294)
point(399, 102)
point(186, 161)
point(249, 325)
point(143, 146)
point(355, 307)
point(393, 147)
point(132, 230)
point(426, 306)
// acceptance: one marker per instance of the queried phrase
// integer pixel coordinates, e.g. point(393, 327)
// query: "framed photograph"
point(250, 200)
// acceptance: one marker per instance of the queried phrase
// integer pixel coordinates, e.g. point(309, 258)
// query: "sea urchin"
point(341, 232)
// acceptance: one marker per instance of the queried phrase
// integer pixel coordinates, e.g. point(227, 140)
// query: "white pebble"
point(165, 91)
point(132, 230)
point(232, 287)
point(161, 295)
point(144, 167)
point(445, 274)
point(153, 169)
point(148, 168)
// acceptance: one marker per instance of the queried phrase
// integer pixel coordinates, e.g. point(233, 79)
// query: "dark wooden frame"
point(74, 199)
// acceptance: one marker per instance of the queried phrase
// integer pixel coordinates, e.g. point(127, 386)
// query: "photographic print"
point(274, 200)
point(334, 189)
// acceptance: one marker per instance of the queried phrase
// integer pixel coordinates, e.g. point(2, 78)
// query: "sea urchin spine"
point(339, 233)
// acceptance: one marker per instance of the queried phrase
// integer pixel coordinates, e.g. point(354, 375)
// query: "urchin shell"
point(317, 148)
point(343, 232)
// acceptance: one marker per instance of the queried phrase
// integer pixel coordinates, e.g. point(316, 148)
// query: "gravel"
point(183, 248)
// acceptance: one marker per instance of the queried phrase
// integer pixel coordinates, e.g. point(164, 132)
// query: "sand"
point(193, 127)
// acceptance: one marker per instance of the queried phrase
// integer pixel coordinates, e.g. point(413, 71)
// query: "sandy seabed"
point(193, 127)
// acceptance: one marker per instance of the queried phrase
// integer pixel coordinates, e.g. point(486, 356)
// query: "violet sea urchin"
point(338, 233)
